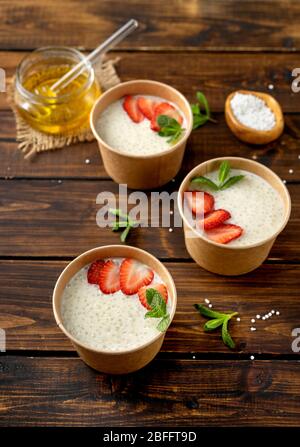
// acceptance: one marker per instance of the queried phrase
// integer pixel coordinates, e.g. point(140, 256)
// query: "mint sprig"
point(169, 127)
point(217, 319)
point(158, 309)
point(224, 181)
point(124, 222)
point(201, 111)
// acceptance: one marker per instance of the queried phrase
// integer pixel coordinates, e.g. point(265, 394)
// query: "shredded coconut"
point(252, 112)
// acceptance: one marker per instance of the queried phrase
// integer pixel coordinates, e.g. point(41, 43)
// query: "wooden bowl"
point(226, 259)
point(142, 171)
point(247, 134)
point(111, 362)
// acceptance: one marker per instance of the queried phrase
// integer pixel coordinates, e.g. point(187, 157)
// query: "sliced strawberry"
point(161, 288)
point(93, 273)
point(146, 106)
point(199, 202)
point(214, 219)
point(109, 277)
point(224, 233)
point(134, 275)
point(130, 105)
point(164, 108)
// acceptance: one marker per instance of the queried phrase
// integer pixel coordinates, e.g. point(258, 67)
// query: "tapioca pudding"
point(108, 305)
point(131, 125)
point(246, 213)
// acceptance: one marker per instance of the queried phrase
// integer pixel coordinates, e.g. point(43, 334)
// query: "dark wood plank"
point(165, 393)
point(58, 218)
point(26, 308)
point(222, 24)
point(208, 142)
point(216, 74)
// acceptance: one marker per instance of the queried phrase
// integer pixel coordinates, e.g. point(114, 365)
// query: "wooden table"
point(48, 212)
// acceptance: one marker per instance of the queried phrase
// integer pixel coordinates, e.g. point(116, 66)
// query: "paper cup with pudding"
point(137, 148)
point(233, 209)
point(115, 304)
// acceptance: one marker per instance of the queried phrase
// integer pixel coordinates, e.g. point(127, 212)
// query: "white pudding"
point(117, 130)
point(106, 322)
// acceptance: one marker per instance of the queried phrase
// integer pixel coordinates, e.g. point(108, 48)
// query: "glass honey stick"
point(56, 86)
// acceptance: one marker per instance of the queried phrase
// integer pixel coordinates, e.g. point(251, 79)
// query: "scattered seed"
point(258, 316)
point(263, 318)
point(271, 87)
point(171, 212)
point(252, 320)
point(207, 300)
point(194, 357)
point(254, 157)
point(170, 230)
point(272, 311)
point(87, 161)
point(238, 319)
point(210, 306)
point(252, 357)
point(291, 171)
point(253, 328)
point(284, 181)
point(277, 312)
point(173, 180)
point(299, 156)
point(59, 181)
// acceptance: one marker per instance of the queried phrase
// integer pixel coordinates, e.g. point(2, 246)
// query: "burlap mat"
point(31, 141)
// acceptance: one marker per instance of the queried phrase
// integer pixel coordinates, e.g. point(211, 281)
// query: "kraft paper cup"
point(112, 362)
point(225, 259)
point(142, 171)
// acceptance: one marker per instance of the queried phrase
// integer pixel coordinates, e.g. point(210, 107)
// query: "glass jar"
point(43, 109)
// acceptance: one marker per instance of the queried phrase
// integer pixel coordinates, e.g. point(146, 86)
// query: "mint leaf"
point(211, 325)
point(205, 181)
point(164, 323)
point(126, 223)
point(157, 304)
point(202, 100)
point(206, 312)
point(201, 116)
point(226, 337)
point(217, 319)
point(163, 120)
point(158, 309)
point(231, 181)
point(150, 295)
point(224, 170)
point(169, 127)
point(124, 233)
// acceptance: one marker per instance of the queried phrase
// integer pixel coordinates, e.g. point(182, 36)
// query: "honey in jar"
point(61, 112)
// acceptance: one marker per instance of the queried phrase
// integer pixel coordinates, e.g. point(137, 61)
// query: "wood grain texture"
point(197, 24)
point(216, 74)
point(26, 308)
point(210, 141)
point(165, 393)
point(58, 218)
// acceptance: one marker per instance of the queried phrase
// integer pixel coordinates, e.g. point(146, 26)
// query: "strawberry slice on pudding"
point(134, 275)
point(147, 107)
point(93, 273)
point(224, 233)
point(199, 202)
point(164, 108)
point(161, 288)
point(214, 219)
point(109, 281)
point(130, 105)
